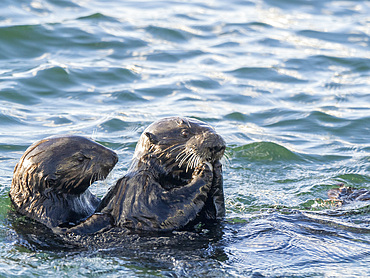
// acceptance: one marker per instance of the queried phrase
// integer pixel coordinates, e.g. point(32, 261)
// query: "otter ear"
point(180, 121)
point(152, 138)
point(183, 122)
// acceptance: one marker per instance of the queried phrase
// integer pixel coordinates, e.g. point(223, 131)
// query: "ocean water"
point(285, 82)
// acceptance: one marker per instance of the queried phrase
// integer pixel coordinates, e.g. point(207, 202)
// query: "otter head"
point(179, 146)
point(68, 164)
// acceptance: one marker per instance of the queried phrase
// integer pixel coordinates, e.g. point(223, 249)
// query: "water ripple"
point(284, 82)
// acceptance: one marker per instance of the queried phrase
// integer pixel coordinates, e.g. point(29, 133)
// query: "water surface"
point(286, 83)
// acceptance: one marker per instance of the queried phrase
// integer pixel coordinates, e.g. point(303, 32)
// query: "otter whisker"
point(188, 159)
point(226, 159)
point(181, 155)
point(91, 180)
point(191, 162)
point(173, 148)
point(182, 147)
point(169, 150)
point(185, 158)
point(196, 161)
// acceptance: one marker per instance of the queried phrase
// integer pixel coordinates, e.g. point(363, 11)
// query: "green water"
point(286, 83)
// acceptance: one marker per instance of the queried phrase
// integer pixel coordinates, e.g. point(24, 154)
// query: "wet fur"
point(175, 179)
point(50, 182)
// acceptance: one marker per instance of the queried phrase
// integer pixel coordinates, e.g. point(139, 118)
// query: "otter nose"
point(112, 161)
point(217, 149)
point(114, 158)
point(108, 160)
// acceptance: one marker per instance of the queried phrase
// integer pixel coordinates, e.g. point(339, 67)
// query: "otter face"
point(68, 164)
point(180, 145)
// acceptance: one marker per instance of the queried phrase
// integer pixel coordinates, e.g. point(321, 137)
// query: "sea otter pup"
point(51, 179)
point(175, 178)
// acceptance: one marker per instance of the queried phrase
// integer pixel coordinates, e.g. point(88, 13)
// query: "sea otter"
point(50, 182)
point(175, 178)
point(346, 194)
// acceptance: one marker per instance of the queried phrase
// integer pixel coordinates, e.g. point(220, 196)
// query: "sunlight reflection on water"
point(284, 82)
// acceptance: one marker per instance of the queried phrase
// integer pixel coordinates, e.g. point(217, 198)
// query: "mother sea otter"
point(175, 178)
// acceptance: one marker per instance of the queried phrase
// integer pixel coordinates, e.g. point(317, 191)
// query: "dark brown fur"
point(175, 178)
point(50, 182)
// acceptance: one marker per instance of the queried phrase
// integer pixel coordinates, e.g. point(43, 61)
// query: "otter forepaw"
point(203, 168)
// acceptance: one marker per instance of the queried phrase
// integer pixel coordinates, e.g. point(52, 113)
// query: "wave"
point(264, 151)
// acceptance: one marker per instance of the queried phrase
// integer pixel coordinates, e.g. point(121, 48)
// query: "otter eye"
point(81, 158)
point(185, 133)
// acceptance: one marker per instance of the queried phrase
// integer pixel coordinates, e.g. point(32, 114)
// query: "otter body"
point(50, 182)
point(175, 178)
